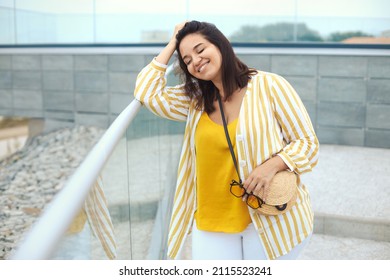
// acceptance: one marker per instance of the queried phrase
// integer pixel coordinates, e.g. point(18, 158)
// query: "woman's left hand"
point(259, 180)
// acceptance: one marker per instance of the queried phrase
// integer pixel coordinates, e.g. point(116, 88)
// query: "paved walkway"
point(330, 247)
point(351, 181)
point(350, 191)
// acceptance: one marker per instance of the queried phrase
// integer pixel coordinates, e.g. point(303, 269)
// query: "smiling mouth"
point(200, 69)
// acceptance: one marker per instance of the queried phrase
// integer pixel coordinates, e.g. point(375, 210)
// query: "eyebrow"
point(194, 48)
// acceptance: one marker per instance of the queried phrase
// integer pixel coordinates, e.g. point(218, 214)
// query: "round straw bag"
point(282, 195)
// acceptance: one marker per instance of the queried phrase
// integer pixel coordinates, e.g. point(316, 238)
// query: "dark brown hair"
point(235, 74)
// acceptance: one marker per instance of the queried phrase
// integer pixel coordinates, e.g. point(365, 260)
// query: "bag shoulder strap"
point(228, 137)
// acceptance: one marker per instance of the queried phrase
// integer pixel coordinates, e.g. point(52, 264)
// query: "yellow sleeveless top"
point(217, 209)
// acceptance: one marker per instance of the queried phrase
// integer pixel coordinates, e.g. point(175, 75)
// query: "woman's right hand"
point(178, 27)
point(169, 49)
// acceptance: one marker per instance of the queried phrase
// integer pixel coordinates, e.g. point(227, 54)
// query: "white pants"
point(245, 245)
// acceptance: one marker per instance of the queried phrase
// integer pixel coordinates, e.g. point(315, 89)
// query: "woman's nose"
point(197, 60)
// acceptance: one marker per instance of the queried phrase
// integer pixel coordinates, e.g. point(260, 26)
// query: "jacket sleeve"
point(302, 147)
point(151, 90)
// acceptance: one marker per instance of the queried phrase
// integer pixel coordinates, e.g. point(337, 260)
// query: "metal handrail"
point(41, 241)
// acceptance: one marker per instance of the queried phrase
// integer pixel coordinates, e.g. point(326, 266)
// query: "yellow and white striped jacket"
point(272, 121)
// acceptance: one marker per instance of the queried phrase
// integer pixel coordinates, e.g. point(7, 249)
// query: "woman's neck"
point(222, 92)
point(219, 86)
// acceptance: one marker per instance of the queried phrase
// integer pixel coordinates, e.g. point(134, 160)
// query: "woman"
point(270, 131)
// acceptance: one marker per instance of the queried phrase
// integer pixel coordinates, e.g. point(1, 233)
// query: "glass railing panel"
point(153, 153)
point(80, 242)
point(31, 180)
point(115, 183)
point(136, 187)
point(138, 182)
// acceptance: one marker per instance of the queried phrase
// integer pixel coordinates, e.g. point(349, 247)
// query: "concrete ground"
point(350, 192)
point(330, 247)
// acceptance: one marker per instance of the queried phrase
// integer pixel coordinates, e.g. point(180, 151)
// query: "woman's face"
point(203, 59)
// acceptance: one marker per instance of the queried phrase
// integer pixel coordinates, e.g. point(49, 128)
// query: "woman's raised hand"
point(168, 51)
point(178, 27)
